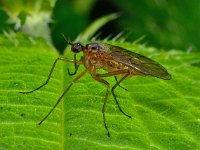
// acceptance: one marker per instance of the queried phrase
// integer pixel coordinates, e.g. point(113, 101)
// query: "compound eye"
point(77, 47)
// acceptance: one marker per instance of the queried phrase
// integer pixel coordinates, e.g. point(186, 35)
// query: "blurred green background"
point(163, 24)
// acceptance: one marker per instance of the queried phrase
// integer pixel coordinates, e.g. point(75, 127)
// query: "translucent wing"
point(138, 62)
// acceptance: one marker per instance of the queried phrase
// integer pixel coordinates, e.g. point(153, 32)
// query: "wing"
point(138, 62)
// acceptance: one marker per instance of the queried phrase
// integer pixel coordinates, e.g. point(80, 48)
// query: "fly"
point(116, 61)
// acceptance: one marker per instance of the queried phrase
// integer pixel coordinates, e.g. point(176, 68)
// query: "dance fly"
point(116, 61)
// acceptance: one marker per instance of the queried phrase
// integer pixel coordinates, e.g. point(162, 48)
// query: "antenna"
point(68, 42)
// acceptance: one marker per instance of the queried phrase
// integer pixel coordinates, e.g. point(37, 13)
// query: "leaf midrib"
point(62, 110)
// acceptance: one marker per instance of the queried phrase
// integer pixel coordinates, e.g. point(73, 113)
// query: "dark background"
point(164, 24)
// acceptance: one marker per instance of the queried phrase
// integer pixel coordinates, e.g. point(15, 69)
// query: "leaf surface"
point(165, 114)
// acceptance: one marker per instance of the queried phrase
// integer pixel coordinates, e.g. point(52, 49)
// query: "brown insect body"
point(112, 58)
point(96, 58)
point(115, 60)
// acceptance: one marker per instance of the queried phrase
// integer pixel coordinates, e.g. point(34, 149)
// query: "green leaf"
point(165, 114)
point(96, 25)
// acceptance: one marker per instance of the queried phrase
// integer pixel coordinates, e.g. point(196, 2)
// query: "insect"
point(116, 61)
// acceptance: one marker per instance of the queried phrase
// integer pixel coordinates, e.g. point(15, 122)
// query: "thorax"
point(95, 59)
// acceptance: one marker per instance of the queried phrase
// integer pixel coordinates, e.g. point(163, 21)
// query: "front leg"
point(76, 66)
point(51, 71)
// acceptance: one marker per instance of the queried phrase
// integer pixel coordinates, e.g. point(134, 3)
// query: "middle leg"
point(105, 100)
point(120, 85)
point(126, 73)
point(99, 77)
point(112, 91)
